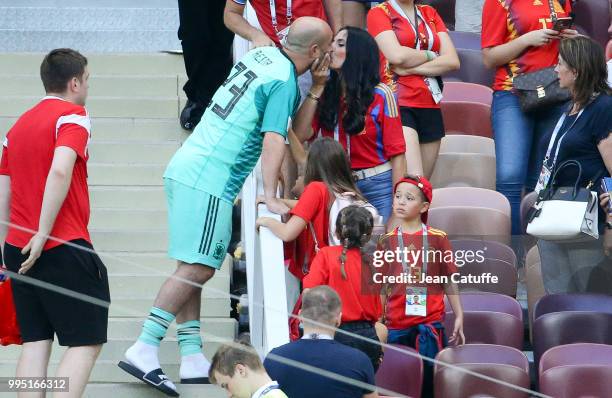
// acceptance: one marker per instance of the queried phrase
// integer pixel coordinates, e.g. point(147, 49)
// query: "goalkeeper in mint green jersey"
point(247, 117)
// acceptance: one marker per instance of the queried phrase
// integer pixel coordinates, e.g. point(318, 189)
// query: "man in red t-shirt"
point(44, 196)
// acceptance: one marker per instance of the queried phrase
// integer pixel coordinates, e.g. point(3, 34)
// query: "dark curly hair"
point(359, 76)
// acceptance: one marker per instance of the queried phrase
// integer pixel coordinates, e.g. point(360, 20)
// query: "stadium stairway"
point(134, 101)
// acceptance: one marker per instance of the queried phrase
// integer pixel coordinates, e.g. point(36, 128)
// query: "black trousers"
point(207, 47)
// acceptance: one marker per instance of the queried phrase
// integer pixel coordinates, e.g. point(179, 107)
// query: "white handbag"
point(567, 214)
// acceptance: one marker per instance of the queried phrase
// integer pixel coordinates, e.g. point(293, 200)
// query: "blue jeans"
point(519, 147)
point(378, 190)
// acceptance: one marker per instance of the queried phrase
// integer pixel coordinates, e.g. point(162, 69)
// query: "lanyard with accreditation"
point(416, 296)
point(547, 166)
point(430, 82)
point(289, 15)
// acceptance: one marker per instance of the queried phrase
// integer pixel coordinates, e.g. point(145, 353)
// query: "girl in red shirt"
point(327, 172)
point(415, 49)
point(347, 270)
point(356, 109)
point(418, 322)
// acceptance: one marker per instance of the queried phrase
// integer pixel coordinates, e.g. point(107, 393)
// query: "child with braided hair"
point(347, 269)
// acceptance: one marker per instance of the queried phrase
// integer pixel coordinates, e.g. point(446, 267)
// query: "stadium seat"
point(460, 169)
point(492, 302)
point(494, 250)
point(575, 381)
point(557, 328)
point(487, 327)
point(446, 9)
point(573, 302)
point(471, 222)
point(468, 196)
point(400, 372)
point(468, 144)
point(505, 273)
point(466, 117)
point(463, 91)
point(465, 40)
point(592, 17)
point(465, 160)
point(576, 354)
point(535, 284)
point(502, 363)
point(472, 69)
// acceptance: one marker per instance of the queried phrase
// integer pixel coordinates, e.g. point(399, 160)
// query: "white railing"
point(266, 273)
point(272, 290)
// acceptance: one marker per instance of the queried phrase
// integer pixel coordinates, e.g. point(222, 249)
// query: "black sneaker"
point(191, 115)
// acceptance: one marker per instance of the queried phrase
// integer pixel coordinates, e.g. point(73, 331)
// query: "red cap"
point(424, 185)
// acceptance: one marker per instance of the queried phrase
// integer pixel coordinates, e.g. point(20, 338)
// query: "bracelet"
point(313, 97)
point(430, 55)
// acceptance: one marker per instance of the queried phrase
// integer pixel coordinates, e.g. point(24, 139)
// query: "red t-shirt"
point(357, 305)
point(299, 8)
point(26, 158)
point(437, 266)
point(313, 207)
point(382, 137)
point(411, 90)
point(503, 21)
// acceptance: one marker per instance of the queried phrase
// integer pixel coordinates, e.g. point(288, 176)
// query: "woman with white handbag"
point(575, 232)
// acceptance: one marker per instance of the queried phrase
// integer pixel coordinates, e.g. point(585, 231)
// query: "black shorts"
point(365, 329)
point(41, 313)
point(427, 122)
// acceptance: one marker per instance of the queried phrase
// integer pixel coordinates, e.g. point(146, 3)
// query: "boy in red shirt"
point(44, 195)
point(424, 252)
point(346, 270)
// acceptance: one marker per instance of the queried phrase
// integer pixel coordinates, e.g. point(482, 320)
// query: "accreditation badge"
point(416, 301)
point(543, 179)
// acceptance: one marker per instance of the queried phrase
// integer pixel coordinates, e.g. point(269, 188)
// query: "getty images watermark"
point(409, 262)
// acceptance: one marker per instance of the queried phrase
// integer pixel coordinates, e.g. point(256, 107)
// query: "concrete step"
point(124, 129)
point(107, 371)
point(158, 153)
point(126, 174)
point(114, 349)
point(147, 285)
point(125, 197)
point(136, 241)
point(99, 85)
point(92, 18)
point(102, 218)
point(149, 263)
point(124, 107)
point(22, 63)
point(109, 41)
point(140, 390)
point(126, 307)
point(129, 328)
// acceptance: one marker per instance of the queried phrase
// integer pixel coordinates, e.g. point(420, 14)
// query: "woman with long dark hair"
point(350, 105)
point(583, 134)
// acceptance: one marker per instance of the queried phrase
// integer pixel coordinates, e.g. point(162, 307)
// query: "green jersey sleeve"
point(281, 104)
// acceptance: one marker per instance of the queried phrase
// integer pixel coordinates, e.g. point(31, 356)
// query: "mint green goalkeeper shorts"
point(200, 225)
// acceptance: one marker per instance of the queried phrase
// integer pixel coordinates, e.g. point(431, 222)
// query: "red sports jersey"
point(506, 20)
point(299, 8)
point(411, 90)
point(382, 137)
point(26, 159)
point(357, 305)
point(312, 207)
point(396, 302)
